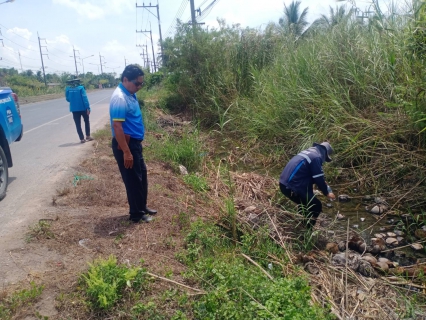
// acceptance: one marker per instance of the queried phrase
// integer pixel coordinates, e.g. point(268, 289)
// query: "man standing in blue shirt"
point(299, 176)
point(127, 135)
point(76, 95)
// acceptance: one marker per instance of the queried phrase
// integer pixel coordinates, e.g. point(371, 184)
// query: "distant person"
point(79, 106)
point(127, 134)
point(299, 176)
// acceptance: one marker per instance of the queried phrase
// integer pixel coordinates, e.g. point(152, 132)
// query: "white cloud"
point(24, 33)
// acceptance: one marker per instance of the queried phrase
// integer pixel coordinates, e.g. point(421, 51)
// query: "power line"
point(11, 30)
point(177, 16)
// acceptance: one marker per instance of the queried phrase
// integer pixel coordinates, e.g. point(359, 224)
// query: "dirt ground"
point(88, 219)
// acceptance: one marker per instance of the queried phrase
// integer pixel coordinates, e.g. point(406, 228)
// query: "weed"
point(197, 182)
point(41, 230)
point(104, 133)
point(182, 220)
point(185, 150)
point(10, 305)
point(105, 282)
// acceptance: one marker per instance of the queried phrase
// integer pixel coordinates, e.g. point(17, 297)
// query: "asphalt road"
point(47, 154)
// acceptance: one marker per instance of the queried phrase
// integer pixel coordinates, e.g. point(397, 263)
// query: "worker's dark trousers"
point(77, 120)
point(308, 205)
point(135, 179)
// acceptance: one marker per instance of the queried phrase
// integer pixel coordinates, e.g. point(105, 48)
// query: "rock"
point(391, 241)
point(391, 234)
point(311, 268)
point(340, 260)
point(329, 205)
point(253, 219)
point(357, 244)
point(416, 246)
point(250, 209)
point(355, 226)
point(399, 233)
point(370, 259)
point(379, 209)
point(383, 266)
point(362, 219)
point(367, 198)
point(183, 170)
point(420, 234)
point(340, 216)
point(332, 247)
point(385, 260)
point(378, 246)
point(342, 245)
point(343, 198)
point(378, 235)
point(366, 269)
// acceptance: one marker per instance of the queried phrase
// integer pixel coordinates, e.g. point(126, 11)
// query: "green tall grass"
point(357, 83)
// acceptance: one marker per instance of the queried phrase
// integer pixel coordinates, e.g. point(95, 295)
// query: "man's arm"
point(121, 139)
point(85, 100)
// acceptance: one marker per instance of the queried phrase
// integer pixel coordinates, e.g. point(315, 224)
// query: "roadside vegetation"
point(231, 106)
point(28, 83)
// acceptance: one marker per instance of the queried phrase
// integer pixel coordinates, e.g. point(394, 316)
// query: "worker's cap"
point(328, 149)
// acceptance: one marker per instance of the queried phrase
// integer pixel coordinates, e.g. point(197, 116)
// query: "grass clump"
point(105, 282)
point(41, 230)
point(236, 288)
point(185, 150)
point(197, 182)
point(9, 306)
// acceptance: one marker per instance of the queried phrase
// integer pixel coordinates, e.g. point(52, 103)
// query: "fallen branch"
point(179, 284)
point(257, 265)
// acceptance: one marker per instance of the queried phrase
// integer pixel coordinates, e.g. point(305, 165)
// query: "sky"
point(102, 36)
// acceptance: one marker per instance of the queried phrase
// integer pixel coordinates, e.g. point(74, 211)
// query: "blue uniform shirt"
point(77, 98)
point(124, 107)
point(303, 171)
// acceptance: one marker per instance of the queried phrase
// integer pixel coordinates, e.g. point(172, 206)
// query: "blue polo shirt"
point(124, 107)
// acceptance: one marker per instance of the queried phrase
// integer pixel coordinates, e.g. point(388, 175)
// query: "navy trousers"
point(135, 179)
point(77, 120)
point(309, 205)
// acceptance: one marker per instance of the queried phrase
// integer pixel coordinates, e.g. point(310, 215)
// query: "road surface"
point(46, 155)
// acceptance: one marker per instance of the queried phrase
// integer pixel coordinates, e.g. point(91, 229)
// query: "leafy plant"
point(105, 282)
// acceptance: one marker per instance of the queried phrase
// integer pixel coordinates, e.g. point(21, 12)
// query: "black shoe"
point(149, 211)
point(142, 218)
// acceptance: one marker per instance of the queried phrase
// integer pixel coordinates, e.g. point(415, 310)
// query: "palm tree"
point(292, 21)
point(335, 17)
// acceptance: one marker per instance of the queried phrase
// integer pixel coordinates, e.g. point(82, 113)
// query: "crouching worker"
point(299, 176)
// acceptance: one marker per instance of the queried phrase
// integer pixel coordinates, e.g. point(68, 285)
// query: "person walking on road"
point(127, 135)
point(301, 173)
point(76, 95)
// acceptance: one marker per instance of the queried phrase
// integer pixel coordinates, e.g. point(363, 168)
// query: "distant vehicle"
point(11, 130)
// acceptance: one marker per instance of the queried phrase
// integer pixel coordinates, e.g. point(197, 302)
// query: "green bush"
point(105, 282)
point(235, 288)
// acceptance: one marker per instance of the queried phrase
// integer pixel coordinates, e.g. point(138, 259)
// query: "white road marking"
point(25, 132)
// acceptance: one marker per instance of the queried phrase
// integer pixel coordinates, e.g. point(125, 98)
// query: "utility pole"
point(193, 19)
point(152, 46)
point(75, 61)
point(100, 61)
point(159, 23)
point(125, 62)
point(41, 56)
point(20, 61)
